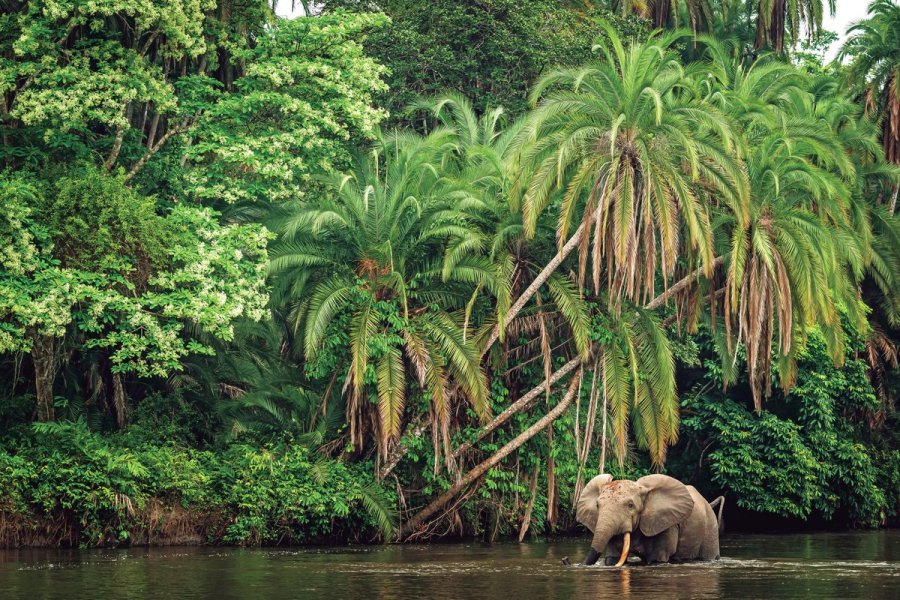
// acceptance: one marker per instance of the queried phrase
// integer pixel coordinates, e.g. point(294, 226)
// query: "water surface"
point(819, 566)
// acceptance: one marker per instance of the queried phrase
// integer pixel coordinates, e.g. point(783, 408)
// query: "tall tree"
point(361, 268)
point(492, 51)
point(633, 154)
point(873, 46)
point(92, 264)
point(780, 19)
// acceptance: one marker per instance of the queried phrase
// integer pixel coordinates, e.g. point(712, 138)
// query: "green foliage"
point(94, 220)
point(238, 104)
point(762, 459)
point(491, 51)
point(123, 276)
point(110, 489)
point(304, 97)
point(809, 454)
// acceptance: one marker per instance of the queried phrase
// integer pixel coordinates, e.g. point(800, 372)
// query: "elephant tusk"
point(625, 549)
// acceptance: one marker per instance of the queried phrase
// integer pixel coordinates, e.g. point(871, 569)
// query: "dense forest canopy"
point(408, 269)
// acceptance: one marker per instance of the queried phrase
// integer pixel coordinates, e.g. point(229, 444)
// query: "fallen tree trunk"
point(419, 519)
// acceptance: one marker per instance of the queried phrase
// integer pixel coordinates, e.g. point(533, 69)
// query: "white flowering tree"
point(120, 121)
point(224, 105)
point(103, 267)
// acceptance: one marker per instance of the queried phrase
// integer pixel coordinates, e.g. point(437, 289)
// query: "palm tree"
point(361, 269)
point(483, 151)
point(799, 255)
point(627, 148)
point(874, 47)
point(637, 344)
point(785, 269)
point(777, 18)
point(696, 14)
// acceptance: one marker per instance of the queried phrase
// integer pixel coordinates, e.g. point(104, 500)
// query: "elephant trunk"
point(603, 532)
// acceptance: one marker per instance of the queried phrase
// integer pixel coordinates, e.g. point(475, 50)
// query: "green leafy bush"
point(808, 453)
point(100, 490)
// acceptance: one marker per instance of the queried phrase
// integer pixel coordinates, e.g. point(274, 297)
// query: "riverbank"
point(66, 486)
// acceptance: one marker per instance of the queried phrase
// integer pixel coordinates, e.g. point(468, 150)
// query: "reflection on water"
point(852, 565)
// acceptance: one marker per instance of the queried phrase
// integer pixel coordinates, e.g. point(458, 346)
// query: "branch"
point(143, 161)
point(116, 147)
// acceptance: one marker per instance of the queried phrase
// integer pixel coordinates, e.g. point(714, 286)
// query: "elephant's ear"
point(668, 503)
point(586, 511)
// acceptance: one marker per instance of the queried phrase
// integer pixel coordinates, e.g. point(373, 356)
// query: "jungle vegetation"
point(408, 269)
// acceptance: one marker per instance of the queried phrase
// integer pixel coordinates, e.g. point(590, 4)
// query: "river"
point(817, 566)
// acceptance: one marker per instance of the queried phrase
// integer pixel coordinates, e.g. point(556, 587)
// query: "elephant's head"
point(651, 505)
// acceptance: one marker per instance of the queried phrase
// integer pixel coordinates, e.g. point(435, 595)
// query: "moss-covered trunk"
point(45, 358)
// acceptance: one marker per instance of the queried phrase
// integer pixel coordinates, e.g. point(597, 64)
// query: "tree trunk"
point(681, 284)
point(539, 281)
point(552, 508)
point(419, 519)
point(45, 358)
point(771, 35)
point(890, 126)
point(776, 27)
point(118, 400)
point(603, 432)
point(417, 427)
point(151, 136)
point(153, 150)
point(526, 522)
point(760, 40)
point(661, 10)
point(116, 148)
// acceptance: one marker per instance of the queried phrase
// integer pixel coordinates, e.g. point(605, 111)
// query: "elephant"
point(657, 518)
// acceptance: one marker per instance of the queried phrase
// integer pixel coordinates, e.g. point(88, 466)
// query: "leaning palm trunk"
point(473, 475)
point(538, 282)
point(517, 406)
